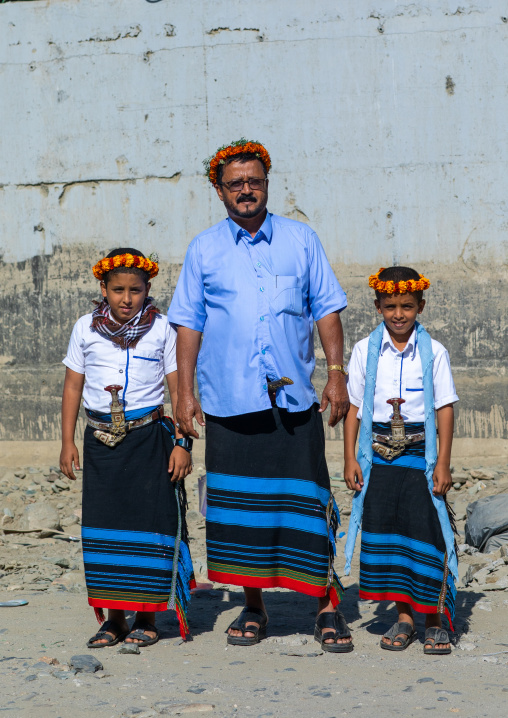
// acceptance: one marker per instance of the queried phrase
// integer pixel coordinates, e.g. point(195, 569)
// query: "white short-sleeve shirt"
point(399, 374)
point(139, 371)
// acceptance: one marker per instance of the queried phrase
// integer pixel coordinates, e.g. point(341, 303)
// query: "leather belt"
point(155, 415)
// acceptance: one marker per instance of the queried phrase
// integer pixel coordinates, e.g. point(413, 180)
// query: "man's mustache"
point(246, 198)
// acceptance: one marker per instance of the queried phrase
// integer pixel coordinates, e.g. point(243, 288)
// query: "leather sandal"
point(335, 620)
point(248, 615)
point(138, 635)
point(433, 636)
point(105, 631)
point(403, 632)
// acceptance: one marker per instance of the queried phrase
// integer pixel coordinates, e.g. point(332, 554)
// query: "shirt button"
point(262, 319)
point(264, 387)
point(259, 264)
point(120, 371)
point(263, 351)
point(261, 289)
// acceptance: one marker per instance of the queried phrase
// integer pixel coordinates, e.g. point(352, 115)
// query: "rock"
point(73, 581)
point(52, 477)
point(85, 664)
point(40, 515)
point(20, 474)
point(7, 512)
point(61, 561)
point(50, 661)
point(460, 477)
point(175, 709)
point(69, 521)
point(61, 485)
point(196, 689)
point(464, 646)
point(482, 475)
point(457, 486)
point(503, 551)
point(129, 648)
point(138, 713)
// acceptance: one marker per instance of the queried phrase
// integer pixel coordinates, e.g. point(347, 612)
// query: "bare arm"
point(180, 461)
point(442, 476)
point(71, 399)
point(187, 407)
point(335, 391)
point(352, 471)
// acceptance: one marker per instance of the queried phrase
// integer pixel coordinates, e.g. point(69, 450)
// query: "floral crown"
point(146, 264)
point(235, 148)
point(401, 287)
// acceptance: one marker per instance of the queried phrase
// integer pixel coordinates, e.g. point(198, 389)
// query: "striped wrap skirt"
point(271, 518)
point(134, 534)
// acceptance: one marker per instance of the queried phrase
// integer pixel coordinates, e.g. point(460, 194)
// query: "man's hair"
point(400, 274)
point(241, 157)
point(126, 270)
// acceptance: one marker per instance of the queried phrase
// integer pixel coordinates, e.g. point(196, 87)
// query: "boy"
point(134, 534)
point(408, 550)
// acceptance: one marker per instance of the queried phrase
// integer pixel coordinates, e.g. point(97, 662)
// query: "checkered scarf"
point(128, 334)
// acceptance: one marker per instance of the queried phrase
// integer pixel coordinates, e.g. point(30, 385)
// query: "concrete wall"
point(386, 125)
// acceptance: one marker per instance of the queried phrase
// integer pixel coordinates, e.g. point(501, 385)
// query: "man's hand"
point(68, 455)
point(335, 394)
point(442, 480)
point(353, 475)
point(186, 409)
point(180, 464)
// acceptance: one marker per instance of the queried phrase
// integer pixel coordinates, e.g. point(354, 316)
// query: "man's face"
point(246, 202)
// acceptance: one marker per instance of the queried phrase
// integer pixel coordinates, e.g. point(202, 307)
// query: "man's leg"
point(431, 620)
point(253, 599)
point(143, 616)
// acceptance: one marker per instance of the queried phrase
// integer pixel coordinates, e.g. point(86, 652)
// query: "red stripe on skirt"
point(275, 582)
point(390, 596)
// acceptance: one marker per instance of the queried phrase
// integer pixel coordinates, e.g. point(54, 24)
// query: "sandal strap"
point(249, 615)
point(139, 635)
point(434, 635)
point(143, 626)
point(399, 629)
point(333, 619)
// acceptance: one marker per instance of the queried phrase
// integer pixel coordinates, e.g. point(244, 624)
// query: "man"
point(253, 285)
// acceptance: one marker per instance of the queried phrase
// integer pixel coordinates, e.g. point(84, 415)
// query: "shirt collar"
point(410, 348)
point(264, 232)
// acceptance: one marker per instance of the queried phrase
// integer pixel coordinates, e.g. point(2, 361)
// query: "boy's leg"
point(118, 617)
point(434, 619)
point(405, 615)
point(145, 617)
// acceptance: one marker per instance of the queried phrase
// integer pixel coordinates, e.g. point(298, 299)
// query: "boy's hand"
point(68, 455)
point(442, 480)
point(180, 464)
point(353, 475)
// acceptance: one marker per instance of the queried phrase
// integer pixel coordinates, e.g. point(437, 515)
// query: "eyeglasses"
point(255, 183)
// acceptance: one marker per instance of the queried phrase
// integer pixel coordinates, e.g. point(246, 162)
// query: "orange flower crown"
point(389, 287)
point(147, 264)
point(235, 148)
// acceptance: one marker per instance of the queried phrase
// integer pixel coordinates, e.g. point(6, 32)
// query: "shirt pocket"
point(146, 366)
point(287, 295)
point(414, 385)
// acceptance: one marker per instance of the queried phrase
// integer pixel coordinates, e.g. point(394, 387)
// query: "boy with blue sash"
point(399, 382)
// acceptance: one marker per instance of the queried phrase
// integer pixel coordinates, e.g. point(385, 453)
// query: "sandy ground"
point(285, 675)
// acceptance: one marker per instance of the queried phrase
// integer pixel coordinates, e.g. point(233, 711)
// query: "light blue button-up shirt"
point(255, 300)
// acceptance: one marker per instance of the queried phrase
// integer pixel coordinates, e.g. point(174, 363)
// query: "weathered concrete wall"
point(385, 125)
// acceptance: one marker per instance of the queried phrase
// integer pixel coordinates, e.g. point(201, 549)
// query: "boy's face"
point(125, 294)
point(399, 312)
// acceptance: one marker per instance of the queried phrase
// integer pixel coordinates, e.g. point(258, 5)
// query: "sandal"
point(335, 620)
point(403, 632)
point(434, 635)
point(140, 638)
point(106, 629)
point(248, 615)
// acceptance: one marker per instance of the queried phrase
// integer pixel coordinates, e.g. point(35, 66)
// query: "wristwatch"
point(185, 443)
point(337, 367)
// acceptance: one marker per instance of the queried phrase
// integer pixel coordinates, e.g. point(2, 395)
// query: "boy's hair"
point(241, 157)
point(400, 274)
point(126, 270)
